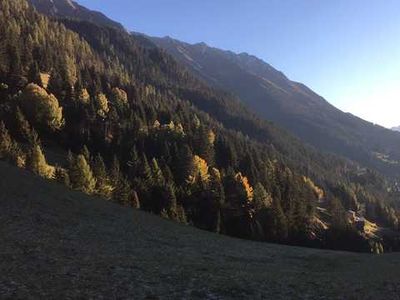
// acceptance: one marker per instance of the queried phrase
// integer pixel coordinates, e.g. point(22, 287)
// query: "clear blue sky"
point(348, 51)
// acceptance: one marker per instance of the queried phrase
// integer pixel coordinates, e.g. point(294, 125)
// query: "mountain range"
point(269, 93)
point(289, 104)
point(71, 9)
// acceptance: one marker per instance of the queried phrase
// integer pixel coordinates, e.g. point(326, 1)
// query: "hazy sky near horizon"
point(348, 51)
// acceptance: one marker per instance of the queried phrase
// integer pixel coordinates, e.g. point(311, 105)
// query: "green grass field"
point(60, 244)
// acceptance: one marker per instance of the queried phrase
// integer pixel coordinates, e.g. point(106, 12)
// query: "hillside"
point(72, 9)
point(57, 243)
point(396, 128)
point(126, 122)
point(290, 105)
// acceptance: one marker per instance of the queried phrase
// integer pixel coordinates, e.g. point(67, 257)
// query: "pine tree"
point(56, 83)
point(81, 175)
point(183, 166)
point(61, 175)
point(146, 173)
point(170, 202)
point(34, 74)
point(38, 164)
point(279, 224)
point(115, 171)
point(134, 164)
point(24, 129)
point(157, 175)
point(122, 192)
point(5, 141)
point(86, 153)
point(103, 186)
point(226, 157)
point(338, 212)
point(261, 198)
point(204, 144)
point(215, 201)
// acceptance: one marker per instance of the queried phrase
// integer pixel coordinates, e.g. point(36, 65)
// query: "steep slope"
point(144, 132)
point(290, 104)
point(56, 243)
point(72, 9)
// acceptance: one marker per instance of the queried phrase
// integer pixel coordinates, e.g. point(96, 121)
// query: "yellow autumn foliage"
point(84, 96)
point(45, 78)
point(200, 170)
point(102, 104)
point(246, 185)
point(42, 107)
point(316, 189)
point(119, 95)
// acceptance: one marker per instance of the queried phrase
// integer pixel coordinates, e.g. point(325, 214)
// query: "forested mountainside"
point(119, 118)
point(290, 105)
point(71, 9)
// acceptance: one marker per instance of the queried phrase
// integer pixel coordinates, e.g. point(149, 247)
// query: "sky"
point(348, 51)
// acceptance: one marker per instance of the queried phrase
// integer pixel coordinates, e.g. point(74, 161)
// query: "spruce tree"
point(38, 164)
point(26, 133)
point(216, 200)
point(122, 192)
point(134, 164)
point(115, 171)
point(279, 224)
point(146, 173)
point(5, 141)
point(157, 175)
point(86, 153)
point(81, 175)
point(61, 175)
point(183, 166)
point(261, 198)
point(34, 74)
point(170, 202)
point(103, 187)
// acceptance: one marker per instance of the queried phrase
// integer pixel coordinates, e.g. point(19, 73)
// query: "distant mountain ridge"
point(289, 104)
point(71, 9)
point(396, 128)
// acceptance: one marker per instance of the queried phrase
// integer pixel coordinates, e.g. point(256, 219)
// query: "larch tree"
point(119, 96)
point(102, 105)
point(41, 107)
point(200, 170)
point(83, 96)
